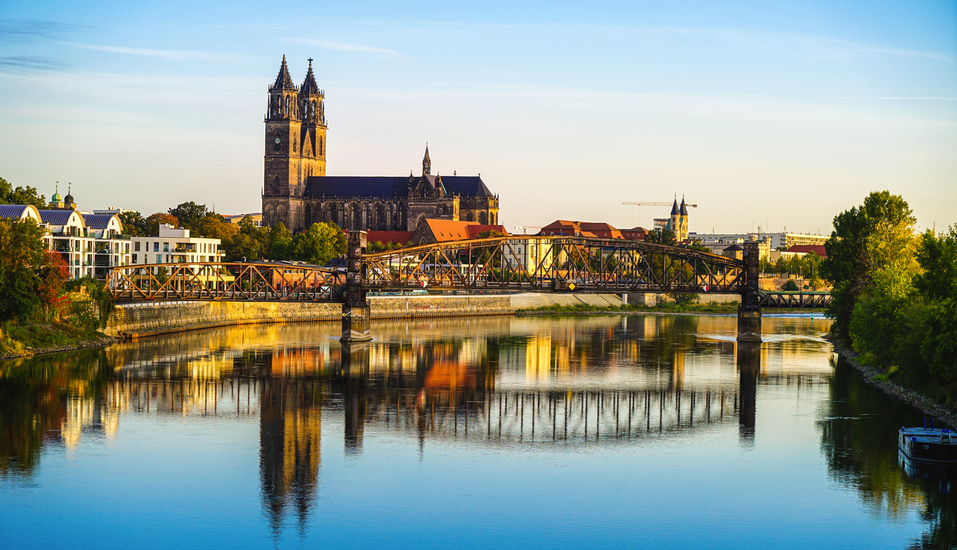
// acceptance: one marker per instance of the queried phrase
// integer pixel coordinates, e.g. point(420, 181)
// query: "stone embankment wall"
point(136, 320)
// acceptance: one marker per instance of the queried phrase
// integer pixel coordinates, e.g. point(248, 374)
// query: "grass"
point(19, 338)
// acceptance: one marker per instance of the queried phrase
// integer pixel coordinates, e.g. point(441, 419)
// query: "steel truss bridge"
point(513, 263)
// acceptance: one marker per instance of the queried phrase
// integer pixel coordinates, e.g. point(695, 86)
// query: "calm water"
point(639, 431)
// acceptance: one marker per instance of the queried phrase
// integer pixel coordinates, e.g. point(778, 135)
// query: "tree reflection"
point(859, 441)
point(37, 397)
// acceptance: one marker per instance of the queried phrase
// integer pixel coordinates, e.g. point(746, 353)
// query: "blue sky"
point(764, 114)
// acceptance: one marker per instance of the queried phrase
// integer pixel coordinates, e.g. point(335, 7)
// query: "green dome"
point(56, 198)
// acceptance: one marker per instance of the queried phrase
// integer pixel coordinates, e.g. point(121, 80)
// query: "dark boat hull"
point(928, 445)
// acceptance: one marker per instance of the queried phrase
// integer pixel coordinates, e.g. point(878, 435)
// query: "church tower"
point(283, 181)
point(313, 143)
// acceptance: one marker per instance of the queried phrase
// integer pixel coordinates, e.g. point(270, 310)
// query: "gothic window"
point(320, 145)
point(469, 217)
point(483, 218)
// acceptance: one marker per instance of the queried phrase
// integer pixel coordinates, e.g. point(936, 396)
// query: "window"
point(134, 258)
point(136, 246)
point(156, 246)
point(159, 258)
point(165, 247)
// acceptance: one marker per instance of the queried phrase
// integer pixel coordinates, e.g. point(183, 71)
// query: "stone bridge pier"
point(749, 313)
point(356, 314)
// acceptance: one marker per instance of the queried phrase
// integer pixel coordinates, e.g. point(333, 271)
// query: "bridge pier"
point(749, 313)
point(356, 314)
point(749, 368)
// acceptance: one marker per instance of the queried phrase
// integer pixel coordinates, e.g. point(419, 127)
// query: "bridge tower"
point(355, 309)
point(749, 313)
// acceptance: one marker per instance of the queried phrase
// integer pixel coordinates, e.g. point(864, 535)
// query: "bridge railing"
point(553, 263)
point(225, 281)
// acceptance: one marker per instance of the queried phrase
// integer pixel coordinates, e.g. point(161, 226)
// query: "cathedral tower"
point(313, 142)
point(282, 172)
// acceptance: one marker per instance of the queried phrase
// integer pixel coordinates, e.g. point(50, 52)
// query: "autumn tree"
point(154, 220)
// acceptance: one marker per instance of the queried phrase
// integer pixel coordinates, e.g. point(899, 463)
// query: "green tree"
point(22, 256)
point(20, 195)
point(661, 236)
point(189, 213)
point(319, 244)
point(875, 237)
point(279, 243)
point(937, 257)
point(134, 224)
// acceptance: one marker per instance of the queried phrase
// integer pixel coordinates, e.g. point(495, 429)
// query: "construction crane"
point(656, 204)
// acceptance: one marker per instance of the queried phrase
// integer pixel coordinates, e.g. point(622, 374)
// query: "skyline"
point(763, 116)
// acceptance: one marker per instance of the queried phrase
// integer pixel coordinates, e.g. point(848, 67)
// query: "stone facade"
point(297, 192)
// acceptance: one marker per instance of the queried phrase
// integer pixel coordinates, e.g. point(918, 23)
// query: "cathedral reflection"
point(495, 381)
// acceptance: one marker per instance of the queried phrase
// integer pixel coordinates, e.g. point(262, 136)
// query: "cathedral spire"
point(684, 209)
point(283, 80)
point(426, 162)
point(309, 87)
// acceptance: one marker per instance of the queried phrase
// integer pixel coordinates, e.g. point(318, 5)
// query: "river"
point(488, 432)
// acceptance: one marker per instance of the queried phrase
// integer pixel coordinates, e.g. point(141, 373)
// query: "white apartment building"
point(90, 245)
point(777, 240)
point(174, 245)
point(526, 252)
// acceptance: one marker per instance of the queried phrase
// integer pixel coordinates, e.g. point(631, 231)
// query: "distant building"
point(297, 192)
point(600, 230)
point(90, 244)
point(440, 231)
point(256, 217)
point(174, 245)
point(678, 222)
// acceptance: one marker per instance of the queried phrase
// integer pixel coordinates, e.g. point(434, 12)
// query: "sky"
point(777, 115)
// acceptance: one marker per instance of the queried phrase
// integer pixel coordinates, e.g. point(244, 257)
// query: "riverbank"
point(28, 340)
point(875, 377)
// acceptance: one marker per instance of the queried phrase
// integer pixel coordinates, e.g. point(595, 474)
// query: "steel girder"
point(224, 281)
point(553, 263)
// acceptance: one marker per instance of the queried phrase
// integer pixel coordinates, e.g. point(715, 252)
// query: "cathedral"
point(297, 192)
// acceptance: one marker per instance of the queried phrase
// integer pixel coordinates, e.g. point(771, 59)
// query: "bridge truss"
point(225, 281)
point(552, 264)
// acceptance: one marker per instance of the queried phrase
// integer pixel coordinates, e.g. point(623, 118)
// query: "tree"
point(154, 220)
point(661, 236)
point(319, 244)
point(938, 258)
point(20, 195)
point(134, 224)
point(189, 213)
point(22, 256)
point(279, 243)
point(867, 241)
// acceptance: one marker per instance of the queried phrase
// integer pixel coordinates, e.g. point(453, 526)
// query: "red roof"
point(448, 230)
point(805, 248)
point(396, 237)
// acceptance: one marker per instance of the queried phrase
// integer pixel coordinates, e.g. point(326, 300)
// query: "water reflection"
point(495, 382)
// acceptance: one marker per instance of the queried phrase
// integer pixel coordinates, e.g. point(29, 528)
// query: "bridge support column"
point(356, 316)
point(749, 314)
point(749, 367)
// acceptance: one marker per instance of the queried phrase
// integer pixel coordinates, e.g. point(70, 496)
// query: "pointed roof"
point(426, 161)
point(283, 80)
point(684, 209)
point(674, 209)
point(309, 86)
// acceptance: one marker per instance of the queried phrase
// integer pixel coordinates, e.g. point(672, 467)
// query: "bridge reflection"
point(490, 381)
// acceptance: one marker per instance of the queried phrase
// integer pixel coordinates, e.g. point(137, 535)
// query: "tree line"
point(894, 296)
point(244, 241)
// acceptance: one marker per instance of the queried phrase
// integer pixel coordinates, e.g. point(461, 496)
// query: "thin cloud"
point(21, 30)
point(342, 46)
point(171, 55)
point(28, 64)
